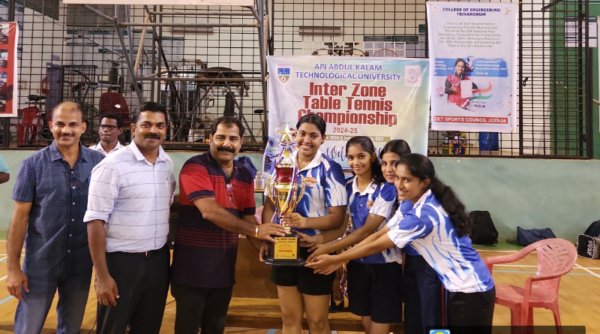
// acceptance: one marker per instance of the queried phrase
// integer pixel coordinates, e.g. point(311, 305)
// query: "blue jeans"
point(73, 293)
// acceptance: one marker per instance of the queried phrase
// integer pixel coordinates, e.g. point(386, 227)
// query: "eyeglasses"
point(73, 181)
point(231, 200)
point(108, 127)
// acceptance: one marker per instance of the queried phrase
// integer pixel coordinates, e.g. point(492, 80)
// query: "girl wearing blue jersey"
point(321, 208)
point(373, 282)
point(422, 288)
point(436, 227)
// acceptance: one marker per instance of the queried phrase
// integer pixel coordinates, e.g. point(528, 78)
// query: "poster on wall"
point(473, 61)
point(382, 98)
point(9, 35)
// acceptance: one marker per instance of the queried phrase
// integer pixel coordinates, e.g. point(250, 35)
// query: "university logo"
point(283, 72)
point(412, 76)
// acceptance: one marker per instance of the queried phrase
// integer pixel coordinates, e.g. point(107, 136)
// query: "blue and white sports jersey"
point(403, 209)
point(429, 230)
point(378, 199)
point(324, 188)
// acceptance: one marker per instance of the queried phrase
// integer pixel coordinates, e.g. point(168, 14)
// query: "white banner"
point(382, 98)
point(473, 57)
point(164, 2)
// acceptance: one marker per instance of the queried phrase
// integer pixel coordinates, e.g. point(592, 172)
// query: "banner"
point(473, 57)
point(9, 35)
point(382, 98)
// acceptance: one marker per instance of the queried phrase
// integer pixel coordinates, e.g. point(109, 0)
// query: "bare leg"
point(317, 313)
point(366, 321)
point(292, 309)
point(379, 328)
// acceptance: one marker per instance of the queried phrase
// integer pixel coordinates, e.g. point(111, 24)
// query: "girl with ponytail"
point(436, 227)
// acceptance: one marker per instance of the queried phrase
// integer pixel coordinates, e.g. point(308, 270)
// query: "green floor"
point(501, 246)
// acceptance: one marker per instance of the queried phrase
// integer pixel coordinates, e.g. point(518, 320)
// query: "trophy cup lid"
point(287, 139)
point(286, 134)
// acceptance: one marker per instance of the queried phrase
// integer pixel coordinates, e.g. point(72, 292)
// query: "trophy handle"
point(302, 188)
point(297, 197)
point(269, 188)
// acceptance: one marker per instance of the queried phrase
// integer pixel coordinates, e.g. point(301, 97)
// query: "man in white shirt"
point(109, 131)
point(128, 222)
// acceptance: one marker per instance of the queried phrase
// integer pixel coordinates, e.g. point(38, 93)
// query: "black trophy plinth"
point(286, 252)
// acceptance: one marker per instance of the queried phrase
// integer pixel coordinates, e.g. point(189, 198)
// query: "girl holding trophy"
point(321, 208)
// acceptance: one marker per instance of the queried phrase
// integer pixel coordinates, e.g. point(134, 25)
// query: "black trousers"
point(423, 309)
point(471, 312)
point(200, 308)
point(143, 284)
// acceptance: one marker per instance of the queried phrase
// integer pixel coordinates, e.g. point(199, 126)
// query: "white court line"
point(516, 265)
point(586, 269)
point(532, 266)
point(3, 278)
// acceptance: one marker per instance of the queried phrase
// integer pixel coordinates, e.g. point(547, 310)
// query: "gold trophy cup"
point(285, 192)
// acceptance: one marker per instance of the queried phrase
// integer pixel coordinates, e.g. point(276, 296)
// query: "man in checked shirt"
point(128, 222)
point(51, 195)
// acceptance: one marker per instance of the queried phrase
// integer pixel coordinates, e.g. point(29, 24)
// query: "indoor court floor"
point(579, 296)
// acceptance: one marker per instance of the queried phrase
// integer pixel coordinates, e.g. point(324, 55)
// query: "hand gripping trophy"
point(285, 192)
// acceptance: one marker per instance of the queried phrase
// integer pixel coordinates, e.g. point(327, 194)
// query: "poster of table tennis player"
point(9, 35)
point(473, 62)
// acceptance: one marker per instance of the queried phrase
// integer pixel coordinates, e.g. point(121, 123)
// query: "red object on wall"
point(46, 86)
point(115, 103)
point(9, 36)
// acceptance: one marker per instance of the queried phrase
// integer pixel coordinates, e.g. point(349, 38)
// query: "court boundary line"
point(577, 266)
point(589, 271)
point(532, 266)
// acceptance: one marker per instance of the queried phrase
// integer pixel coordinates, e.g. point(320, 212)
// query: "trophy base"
point(285, 263)
point(286, 252)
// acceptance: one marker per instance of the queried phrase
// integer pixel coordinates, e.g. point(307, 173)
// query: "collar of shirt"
point(369, 190)
point(56, 155)
point(162, 156)
point(314, 163)
point(423, 198)
point(213, 161)
point(98, 147)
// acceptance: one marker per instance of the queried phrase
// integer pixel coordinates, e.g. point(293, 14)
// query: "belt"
point(145, 254)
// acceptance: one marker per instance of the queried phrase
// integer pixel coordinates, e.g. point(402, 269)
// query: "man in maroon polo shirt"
point(217, 204)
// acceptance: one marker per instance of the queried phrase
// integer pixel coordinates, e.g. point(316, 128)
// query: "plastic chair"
point(556, 257)
point(258, 214)
point(29, 122)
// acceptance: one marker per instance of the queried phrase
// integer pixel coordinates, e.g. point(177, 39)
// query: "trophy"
point(285, 192)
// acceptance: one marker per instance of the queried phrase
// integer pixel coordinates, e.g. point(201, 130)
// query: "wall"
point(517, 192)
